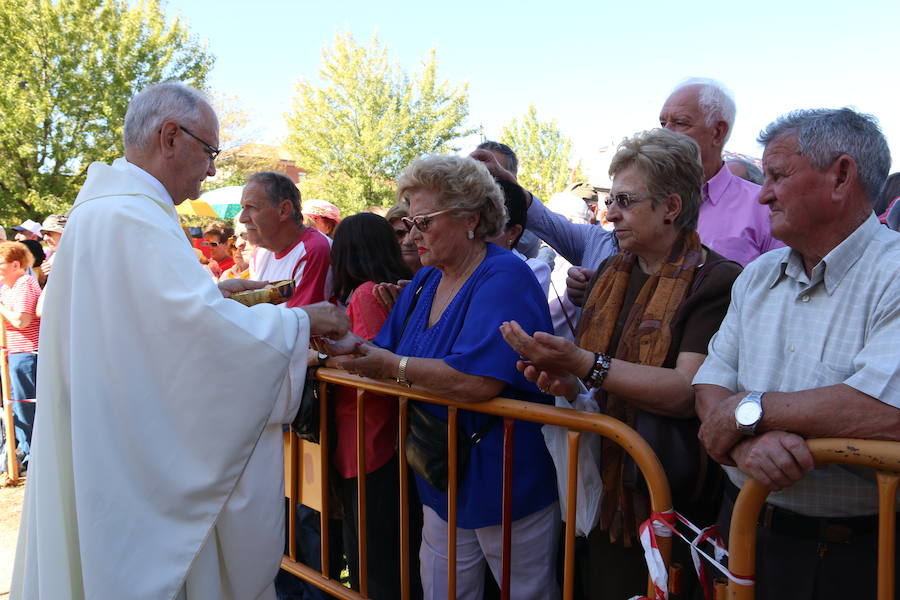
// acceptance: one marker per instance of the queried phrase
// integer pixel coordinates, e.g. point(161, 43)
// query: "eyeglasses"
point(214, 244)
point(211, 150)
point(623, 199)
point(423, 222)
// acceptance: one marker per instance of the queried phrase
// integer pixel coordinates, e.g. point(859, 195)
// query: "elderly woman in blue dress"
point(443, 335)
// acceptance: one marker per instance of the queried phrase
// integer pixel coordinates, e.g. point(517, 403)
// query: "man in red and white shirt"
point(19, 294)
point(287, 249)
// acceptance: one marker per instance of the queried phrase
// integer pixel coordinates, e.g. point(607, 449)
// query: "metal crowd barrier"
point(882, 456)
point(306, 463)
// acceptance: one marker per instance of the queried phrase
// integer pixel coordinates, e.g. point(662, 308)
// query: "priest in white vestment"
point(157, 462)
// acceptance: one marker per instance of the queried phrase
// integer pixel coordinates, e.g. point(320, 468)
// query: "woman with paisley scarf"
point(650, 312)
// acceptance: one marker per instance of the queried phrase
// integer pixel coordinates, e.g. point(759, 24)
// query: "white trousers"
point(533, 568)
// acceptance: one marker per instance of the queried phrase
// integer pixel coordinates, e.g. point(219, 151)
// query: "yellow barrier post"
point(882, 456)
point(12, 462)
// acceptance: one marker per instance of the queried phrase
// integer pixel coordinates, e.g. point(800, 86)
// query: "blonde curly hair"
point(461, 183)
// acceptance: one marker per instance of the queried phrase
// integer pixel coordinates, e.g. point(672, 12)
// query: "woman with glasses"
point(443, 334)
point(407, 247)
point(241, 251)
point(649, 314)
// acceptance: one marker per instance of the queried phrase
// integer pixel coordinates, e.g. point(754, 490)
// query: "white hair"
point(160, 102)
point(715, 100)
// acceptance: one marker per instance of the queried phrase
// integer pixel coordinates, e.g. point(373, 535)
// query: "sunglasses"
point(623, 199)
point(422, 222)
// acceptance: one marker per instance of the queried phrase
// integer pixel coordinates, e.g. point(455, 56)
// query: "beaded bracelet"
point(595, 377)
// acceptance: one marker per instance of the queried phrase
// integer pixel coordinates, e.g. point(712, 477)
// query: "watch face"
point(748, 413)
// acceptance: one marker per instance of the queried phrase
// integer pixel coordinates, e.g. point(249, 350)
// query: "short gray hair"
point(279, 187)
point(715, 100)
point(512, 161)
point(152, 106)
point(461, 183)
point(823, 134)
point(671, 164)
point(754, 174)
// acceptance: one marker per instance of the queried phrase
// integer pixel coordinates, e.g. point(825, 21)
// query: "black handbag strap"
point(479, 435)
point(412, 305)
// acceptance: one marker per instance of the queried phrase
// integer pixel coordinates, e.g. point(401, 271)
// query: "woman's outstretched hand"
point(545, 351)
point(546, 360)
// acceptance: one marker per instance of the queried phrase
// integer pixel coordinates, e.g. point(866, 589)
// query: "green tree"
point(368, 121)
point(240, 157)
point(544, 153)
point(67, 71)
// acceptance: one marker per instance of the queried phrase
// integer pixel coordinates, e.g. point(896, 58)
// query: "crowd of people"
point(724, 310)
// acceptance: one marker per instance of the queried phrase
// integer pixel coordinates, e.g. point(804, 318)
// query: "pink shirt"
point(732, 222)
point(367, 316)
point(307, 262)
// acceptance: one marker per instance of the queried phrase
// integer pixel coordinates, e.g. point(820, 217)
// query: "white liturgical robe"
point(156, 467)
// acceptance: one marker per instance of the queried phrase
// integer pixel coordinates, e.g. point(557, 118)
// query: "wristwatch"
point(322, 357)
point(401, 372)
point(749, 412)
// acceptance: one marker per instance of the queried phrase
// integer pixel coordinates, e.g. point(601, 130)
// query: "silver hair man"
point(824, 134)
point(151, 107)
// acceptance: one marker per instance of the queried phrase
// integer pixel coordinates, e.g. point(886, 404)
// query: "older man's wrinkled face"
point(262, 219)
point(194, 161)
point(682, 113)
point(793, 191)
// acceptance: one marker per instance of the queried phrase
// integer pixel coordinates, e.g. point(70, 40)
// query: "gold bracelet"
point(401, 372)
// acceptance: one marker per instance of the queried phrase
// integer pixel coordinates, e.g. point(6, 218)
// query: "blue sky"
point(601, 69)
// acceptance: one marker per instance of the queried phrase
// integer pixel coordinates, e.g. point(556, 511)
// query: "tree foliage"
point(240, 157)
point(367, 121)
point(67, 71)
point(544, 153)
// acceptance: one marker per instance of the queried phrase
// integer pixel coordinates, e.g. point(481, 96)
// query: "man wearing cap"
point(808, 349)
point(52, 230)
point(286, 248)
point(157, 467)
point(29, 230)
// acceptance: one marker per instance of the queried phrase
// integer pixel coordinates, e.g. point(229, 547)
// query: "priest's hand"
point(338, 347)
point(326, 319)
point(233, 286)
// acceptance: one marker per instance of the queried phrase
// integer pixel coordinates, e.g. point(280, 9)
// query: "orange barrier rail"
point(884, 457)
point(300, 457)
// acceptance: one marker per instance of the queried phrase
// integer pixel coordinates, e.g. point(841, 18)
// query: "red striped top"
point(22, 297)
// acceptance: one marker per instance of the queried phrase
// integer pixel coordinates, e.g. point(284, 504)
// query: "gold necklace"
point(462, 279)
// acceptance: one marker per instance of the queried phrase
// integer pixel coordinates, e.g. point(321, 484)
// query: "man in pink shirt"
point(732, 222)
point(287, 249)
